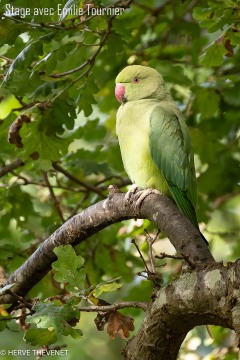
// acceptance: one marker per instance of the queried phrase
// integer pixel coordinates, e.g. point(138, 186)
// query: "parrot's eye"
point(136, 80)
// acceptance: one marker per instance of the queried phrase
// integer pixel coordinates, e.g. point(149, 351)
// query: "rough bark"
point(204, 296)
point(157, 208)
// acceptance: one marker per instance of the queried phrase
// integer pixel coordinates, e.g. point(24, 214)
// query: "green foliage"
point(106, 287)
point(52, 320)
point(40, 337)
point(69, 268)
point(58, 72)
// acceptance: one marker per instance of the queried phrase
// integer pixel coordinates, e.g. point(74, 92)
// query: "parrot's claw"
point(131, 194)
point(141, 195)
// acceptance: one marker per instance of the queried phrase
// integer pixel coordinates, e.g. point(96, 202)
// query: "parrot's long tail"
point(205, 240)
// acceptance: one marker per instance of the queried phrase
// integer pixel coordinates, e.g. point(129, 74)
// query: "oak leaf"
point(119, 324)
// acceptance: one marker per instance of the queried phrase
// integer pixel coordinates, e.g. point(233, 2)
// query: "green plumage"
point(154, 139)
point(170, 149)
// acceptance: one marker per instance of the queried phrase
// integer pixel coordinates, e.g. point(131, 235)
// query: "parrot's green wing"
point(171, 152)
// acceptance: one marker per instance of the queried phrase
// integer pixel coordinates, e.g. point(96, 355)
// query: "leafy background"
point(59, 151)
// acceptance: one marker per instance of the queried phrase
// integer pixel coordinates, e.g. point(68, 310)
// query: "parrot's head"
point(137, 82)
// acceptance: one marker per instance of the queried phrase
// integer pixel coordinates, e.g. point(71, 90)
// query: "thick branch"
point(184, 237)
point(205, 296)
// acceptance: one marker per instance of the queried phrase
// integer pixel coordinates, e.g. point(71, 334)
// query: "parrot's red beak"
point(120, 92)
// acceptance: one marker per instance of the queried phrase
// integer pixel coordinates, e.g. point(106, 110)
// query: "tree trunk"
point(204, 296)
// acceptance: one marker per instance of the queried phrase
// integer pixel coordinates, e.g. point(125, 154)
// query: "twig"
point(6, 318)
point(29, 106)
point(14, 165)
point(141, 273)
point(56, 76)
point(117, 306)
point(57, 167)
point(20, 299)
point(26, 181)
point(182, 257)
point(9, 61)
point(151, 275)
point(91, 60)
point(151, 241)
point(140, 254)
point(53, 197)
point(164, 256)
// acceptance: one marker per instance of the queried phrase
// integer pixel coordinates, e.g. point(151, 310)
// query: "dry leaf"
point(119, 324)
point(13, 133)
point(101, 320)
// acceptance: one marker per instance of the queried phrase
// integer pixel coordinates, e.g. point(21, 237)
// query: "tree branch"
point(202, 297)
point(53, 197)
point(160, 209)
point(14, 165)
point(114, 307)
point(59, 168)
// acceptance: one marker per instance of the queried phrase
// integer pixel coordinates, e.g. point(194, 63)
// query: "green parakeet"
point(154, 139)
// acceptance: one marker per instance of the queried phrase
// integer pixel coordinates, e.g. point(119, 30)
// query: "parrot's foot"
point(141, 195)
point(131, 194)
